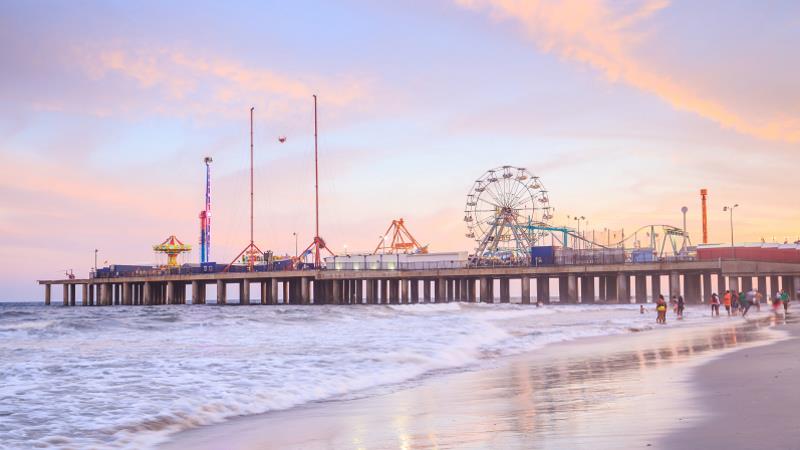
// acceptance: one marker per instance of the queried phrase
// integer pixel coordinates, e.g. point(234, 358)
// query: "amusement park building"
point(398, 261)
point(767, 252)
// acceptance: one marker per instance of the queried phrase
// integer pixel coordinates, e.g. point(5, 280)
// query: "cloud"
point(605, 36)
point(119, 78)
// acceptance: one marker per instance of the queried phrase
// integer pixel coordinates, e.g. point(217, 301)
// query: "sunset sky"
point(625, 109)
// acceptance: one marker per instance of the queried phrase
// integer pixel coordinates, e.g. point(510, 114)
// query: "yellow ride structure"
point(172, 247)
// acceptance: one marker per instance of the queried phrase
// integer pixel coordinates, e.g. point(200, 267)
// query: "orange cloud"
point(594, 33)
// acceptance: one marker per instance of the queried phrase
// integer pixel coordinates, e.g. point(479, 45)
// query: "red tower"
point(251, 253)
point(703, 194)
point(318, 243)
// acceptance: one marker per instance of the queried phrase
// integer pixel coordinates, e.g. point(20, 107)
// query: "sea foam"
point(127, 377)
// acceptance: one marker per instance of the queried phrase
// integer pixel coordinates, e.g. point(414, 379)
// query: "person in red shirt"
point(726, 301)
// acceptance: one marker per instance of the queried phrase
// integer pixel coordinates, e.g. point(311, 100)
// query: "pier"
point(575, 284)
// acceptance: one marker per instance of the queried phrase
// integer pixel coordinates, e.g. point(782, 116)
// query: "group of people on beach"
point(735, 303)
point(677, 303)
point(741, 302)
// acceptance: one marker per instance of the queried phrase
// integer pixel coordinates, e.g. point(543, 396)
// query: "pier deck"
point(695, 280)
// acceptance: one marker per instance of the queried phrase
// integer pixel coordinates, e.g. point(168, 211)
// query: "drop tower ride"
point(205, 217)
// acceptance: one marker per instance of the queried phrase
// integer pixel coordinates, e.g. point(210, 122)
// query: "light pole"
point(578, 231)
point(95, 261)
point(295, 243)
point(730, 209)
point(684, 210)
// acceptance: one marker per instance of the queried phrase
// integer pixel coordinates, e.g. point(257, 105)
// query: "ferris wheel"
point(500, 208)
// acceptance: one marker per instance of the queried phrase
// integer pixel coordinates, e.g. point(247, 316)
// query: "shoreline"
point(748, 397)
point(532, 397)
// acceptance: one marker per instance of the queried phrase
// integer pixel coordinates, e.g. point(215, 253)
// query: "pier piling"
point(623, 288)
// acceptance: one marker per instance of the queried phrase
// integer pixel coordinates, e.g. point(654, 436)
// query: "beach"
point(638, 390)
point(397, 376)
point(132, 377)
point(750, 398)
point(369, 225)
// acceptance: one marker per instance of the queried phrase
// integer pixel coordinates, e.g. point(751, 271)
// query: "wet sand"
point(751, 397)
point(612, 392)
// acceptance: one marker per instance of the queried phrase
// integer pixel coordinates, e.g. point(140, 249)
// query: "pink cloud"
point(177, 81)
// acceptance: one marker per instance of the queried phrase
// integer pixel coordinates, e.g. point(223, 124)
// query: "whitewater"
point(128, 377)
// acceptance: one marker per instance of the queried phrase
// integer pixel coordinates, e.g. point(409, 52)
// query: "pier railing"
point(581, 259)
point(573, 260)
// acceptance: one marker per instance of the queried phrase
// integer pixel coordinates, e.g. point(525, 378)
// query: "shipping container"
point(641, 255)
point(282, 264)
point(543, 255)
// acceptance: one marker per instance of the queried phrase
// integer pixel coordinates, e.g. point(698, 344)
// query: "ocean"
point(129, 376)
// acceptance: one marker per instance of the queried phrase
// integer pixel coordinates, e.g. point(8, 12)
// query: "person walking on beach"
point(758, 300)
point(776, 302)
point(747, 301)
point(742, 299)
point(681, 306)
point(661, 310)
point(714, 304)
point(785, 300)
point(734, 303)
point(726, 300)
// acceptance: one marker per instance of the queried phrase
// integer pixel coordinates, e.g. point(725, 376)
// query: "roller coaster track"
point(671, 238)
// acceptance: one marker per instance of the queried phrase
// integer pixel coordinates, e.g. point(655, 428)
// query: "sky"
point(625, 109)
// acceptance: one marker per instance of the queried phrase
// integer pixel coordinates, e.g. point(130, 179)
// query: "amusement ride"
point(503, 209)
point(508, 212)
point(397, 239)
point(172, 247)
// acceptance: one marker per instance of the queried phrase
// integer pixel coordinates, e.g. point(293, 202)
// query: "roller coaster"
point(508, 212)
point(664, 240)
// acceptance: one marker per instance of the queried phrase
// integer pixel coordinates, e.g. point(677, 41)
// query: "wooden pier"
point(611, 283)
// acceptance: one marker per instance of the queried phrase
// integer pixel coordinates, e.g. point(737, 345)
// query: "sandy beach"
point(631, 391)
point(750, 397)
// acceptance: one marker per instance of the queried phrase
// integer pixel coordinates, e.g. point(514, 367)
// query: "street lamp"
point(295, 244)
point(730, 209)
point(579, 222)
point(684, 210)
point(95, 261)
point(578, 231)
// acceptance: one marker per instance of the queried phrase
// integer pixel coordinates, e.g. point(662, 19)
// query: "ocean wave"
point(114, 378)
point(27, 325)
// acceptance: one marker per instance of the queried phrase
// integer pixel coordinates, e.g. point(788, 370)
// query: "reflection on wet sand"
point(560, 398)
point(566, 396)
